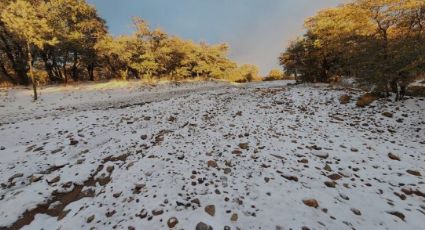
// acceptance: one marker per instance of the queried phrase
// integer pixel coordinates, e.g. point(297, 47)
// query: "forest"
point(380, 43)
point(62, 41)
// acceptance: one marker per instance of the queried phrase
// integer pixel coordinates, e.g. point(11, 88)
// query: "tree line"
point(379, 42)
point(61, 41)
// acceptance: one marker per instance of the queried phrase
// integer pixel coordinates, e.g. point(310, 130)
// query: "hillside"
point(247, 156)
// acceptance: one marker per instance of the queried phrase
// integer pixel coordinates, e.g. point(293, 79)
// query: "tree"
point(29, 24)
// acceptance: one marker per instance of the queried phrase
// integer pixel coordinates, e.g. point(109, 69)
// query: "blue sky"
point(256, 30)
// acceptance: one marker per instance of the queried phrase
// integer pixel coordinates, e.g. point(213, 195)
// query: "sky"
point(256, 30)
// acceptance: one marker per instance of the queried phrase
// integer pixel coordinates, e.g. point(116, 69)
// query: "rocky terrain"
point(211, 156)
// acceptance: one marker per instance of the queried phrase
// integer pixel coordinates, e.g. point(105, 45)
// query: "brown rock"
point(210, 209)
point(330, 184)
point(335, 176)
point(311, 203)
point(414, 172)
point(344, 99)
point(234, 217)
point(203, 226)
point(397, 214)
point(157, 212)
point(387, 114)
point(366, 100)
point(172, 222)
point(243, 145)
point(212, 164)
point(393, 157)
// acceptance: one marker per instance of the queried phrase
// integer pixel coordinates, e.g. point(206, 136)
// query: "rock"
point(143, 214)
point(393, 157)
point(343, 196)
point(35, 178)
point(212, 163)
point(414, 172)
point(397, 214)
point(90, 219)
point(234, 217)
point(227, 170)
point(53, 180)
point(327, 168)
point(196, 201)
point(73, 142)
point(210, 209)
point(311, 203)
point(356, 211)
point(157, 212)
point(144, 137)
point(243, 146)
point(2, 148)
point(354, 150)
point(172, 222)
point(17, 175)
point(330, 184)
point(116, 195)
point(203, 226)
point(290, 177)
point(322, 155)
point(110, 168)
point(344, 99)
point(335, 176)
point(387, 114)
point(366, 100)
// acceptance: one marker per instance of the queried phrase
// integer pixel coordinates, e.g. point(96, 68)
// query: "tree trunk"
point(90, 69)
point(74, 67)
point(34, 82)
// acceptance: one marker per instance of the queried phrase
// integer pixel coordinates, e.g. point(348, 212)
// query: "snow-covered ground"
point(255, 156)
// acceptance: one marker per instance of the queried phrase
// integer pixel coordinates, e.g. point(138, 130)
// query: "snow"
point(154, 144)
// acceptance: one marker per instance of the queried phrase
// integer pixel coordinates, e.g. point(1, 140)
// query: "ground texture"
point(257, 156)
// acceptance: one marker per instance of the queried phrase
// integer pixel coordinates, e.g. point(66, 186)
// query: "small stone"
point(344, 99)
point(397, 214)
point(330, 184)
point(387, 114)
point(243, 146)
point(110, 168)
point(322, 155)
point(90, 218)
point(157, 212)
point(116, 195)
point(2, 148)
point(210, 209)
point(212, 163)
point(227, 170)
point(73, 142)
point(354, 150)
point(393, 157)
point(172, 222)
point(327, 168)
point(356, 211)
point(196, 201)
point(53, 180)
point(35, 178)
point(203, 226)
point(290, 177)
point(144, 137)
point(311, 203)
point(143, 214)
point(414, 172)
point(234, 217)
point(335, 176)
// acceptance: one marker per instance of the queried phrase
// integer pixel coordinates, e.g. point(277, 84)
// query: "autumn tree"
point(29, 25)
